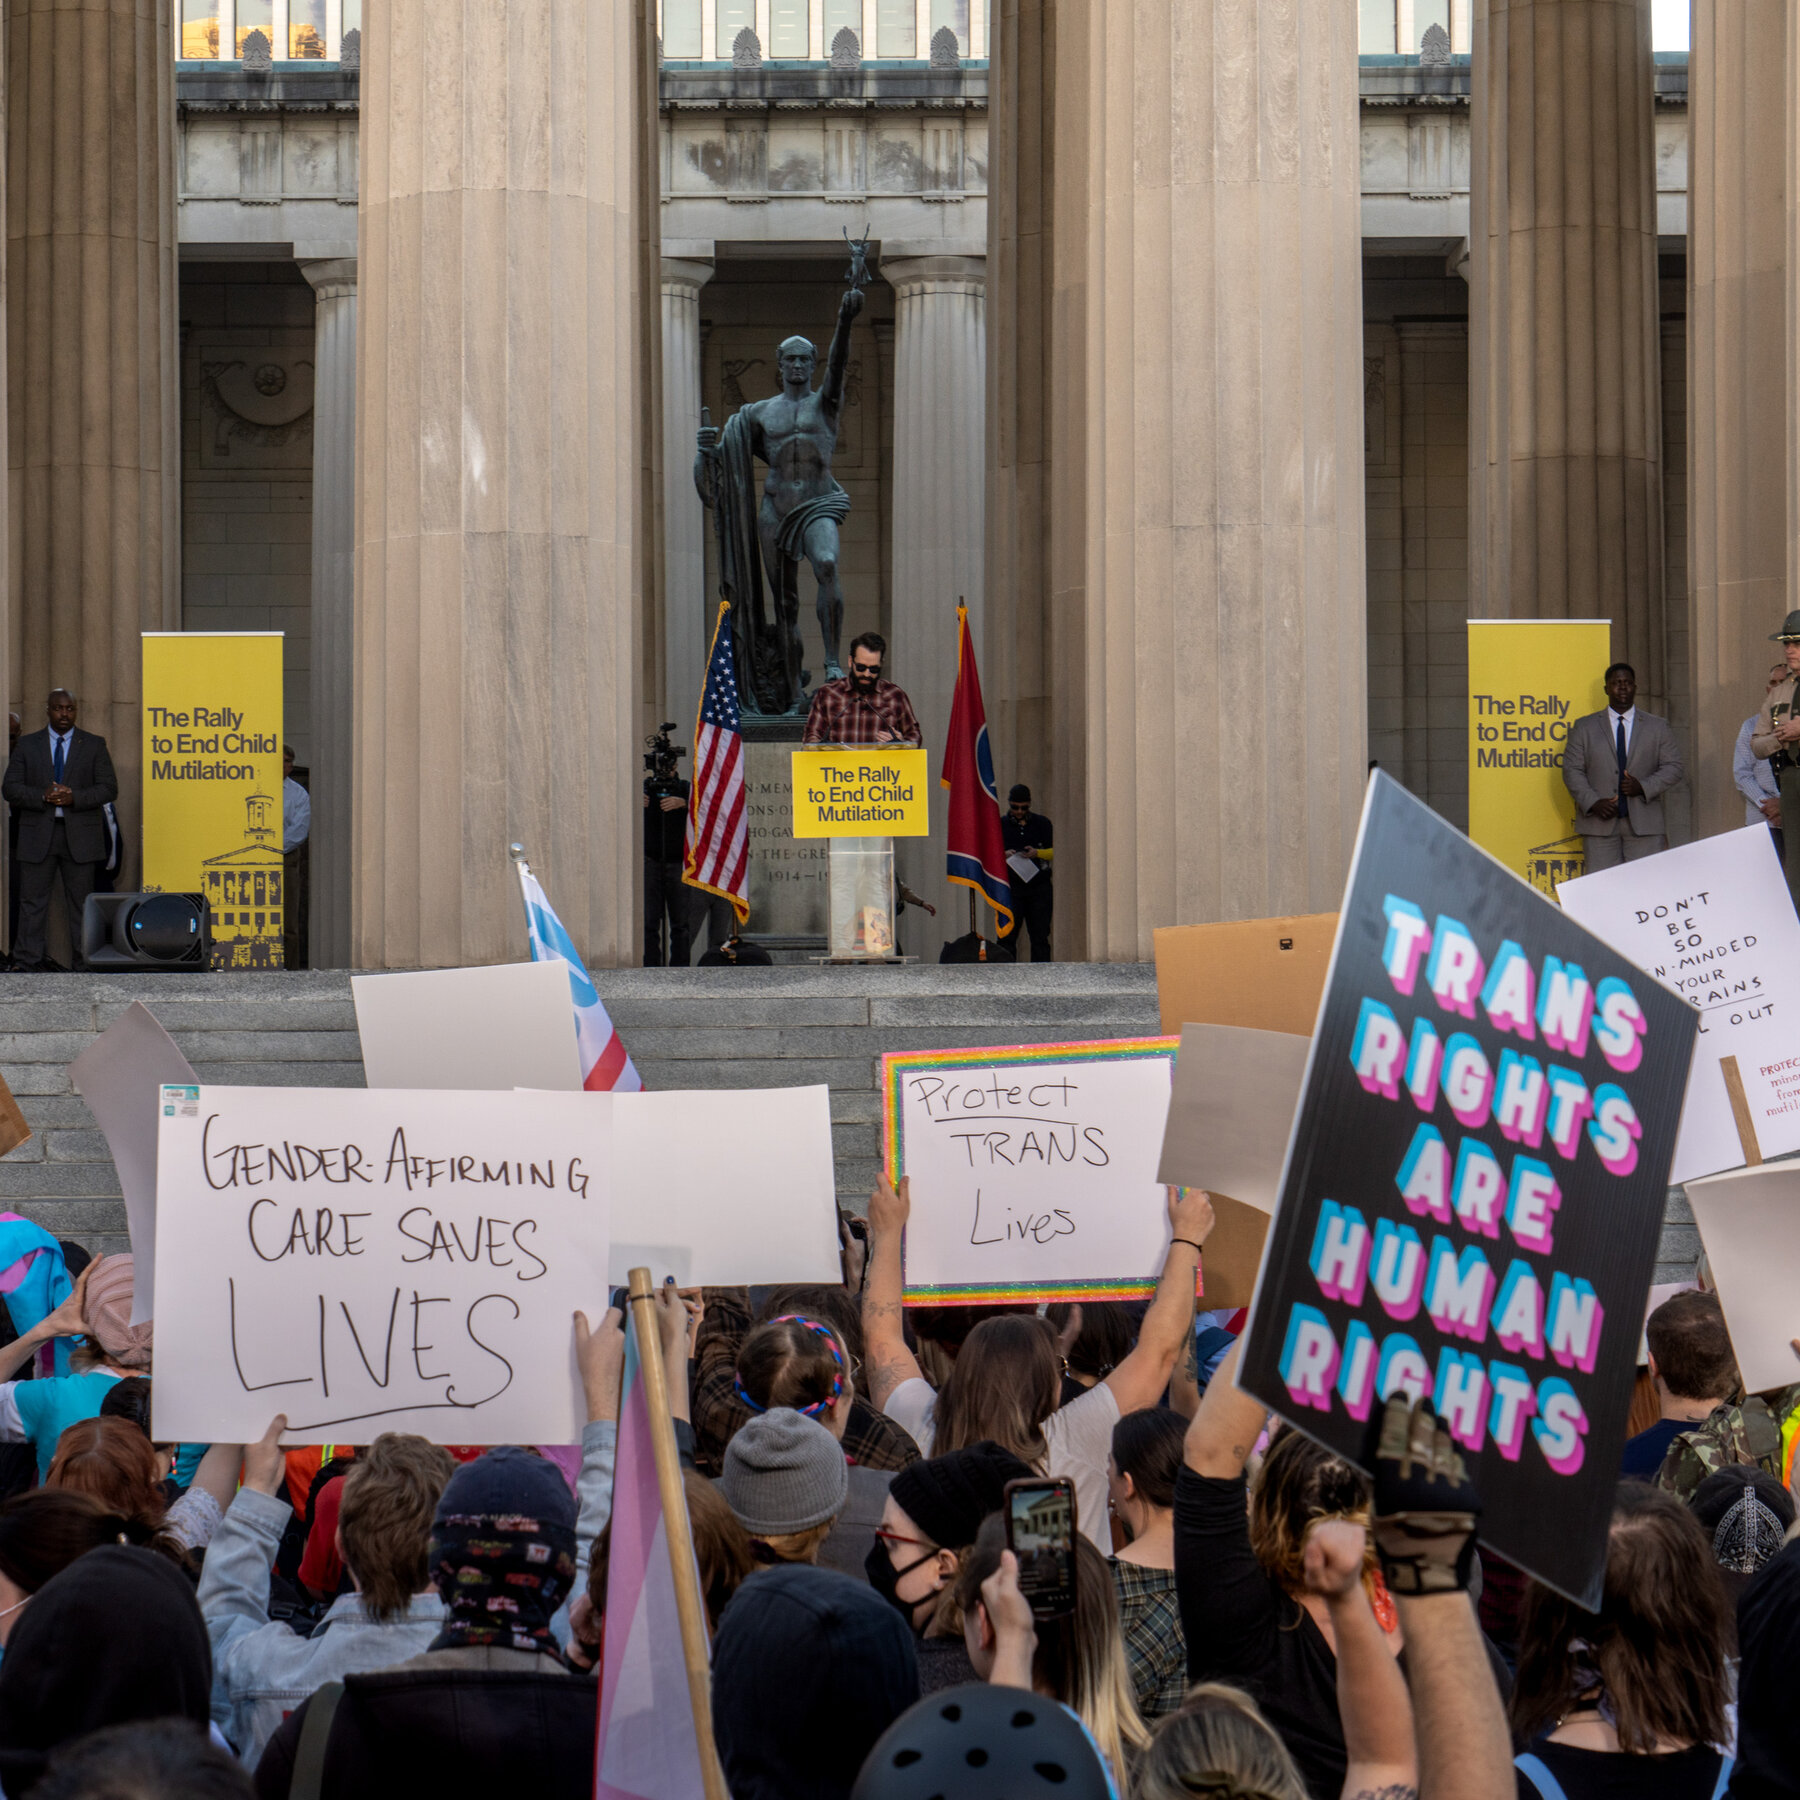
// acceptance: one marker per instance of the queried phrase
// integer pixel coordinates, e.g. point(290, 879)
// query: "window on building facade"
point(306, 30)
point(1427, 13)
point(254, 15)
point(838, 14)
point(352, 15)
point(199, 28)
point(681, 31)
point(734, 16)
point(1376, 34)
point(955, 14)
point(788, 29)
point(896, 28)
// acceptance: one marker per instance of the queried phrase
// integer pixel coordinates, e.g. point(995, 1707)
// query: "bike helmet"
point(985, 1743)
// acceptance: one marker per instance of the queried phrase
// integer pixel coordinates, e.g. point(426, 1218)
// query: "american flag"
point(718, 836)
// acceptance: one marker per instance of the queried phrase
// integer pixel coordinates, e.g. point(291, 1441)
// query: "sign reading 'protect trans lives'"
point(1474, 1188)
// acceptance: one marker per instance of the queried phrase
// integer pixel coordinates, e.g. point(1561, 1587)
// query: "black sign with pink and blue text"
point(1475, 1185)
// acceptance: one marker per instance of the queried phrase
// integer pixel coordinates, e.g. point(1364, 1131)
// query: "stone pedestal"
point(940, 428)
point(1739, 403)
point(502, 464)
point(93, 451)
point(333, 604)
point(1176, 555)
point(790, 878)
point(688, 609)
point(1565, 426)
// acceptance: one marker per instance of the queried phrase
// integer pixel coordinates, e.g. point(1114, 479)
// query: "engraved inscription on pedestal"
point(790, 878)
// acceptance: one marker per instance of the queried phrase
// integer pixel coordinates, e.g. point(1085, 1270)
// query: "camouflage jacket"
point(1746, 1433)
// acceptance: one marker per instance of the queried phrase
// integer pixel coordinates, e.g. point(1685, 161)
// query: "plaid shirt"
point(840, 715)
point(871, 1439)
point(1155, 1650)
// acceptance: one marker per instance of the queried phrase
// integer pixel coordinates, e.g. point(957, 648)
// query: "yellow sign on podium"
point(880, 791)
point(213, 784)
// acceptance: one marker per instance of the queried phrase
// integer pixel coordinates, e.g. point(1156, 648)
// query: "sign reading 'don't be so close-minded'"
point(376, 1260)
point(1529, 681)
point(1713, 920)
point(876, 791)
point(1474, 1188)
point(1033, 1169)
point(213, 784)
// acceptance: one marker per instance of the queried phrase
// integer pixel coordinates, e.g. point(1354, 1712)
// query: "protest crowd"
point(1249, 1616)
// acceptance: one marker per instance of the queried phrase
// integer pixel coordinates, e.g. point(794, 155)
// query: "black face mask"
point(885, 1579)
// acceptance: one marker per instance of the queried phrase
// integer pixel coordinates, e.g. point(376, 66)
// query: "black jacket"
point(88, 771)
point(452, 1733)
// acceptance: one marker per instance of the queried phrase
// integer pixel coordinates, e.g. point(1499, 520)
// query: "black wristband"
point(1189, 1242)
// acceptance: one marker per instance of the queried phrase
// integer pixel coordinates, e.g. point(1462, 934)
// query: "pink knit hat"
point(108, 1308)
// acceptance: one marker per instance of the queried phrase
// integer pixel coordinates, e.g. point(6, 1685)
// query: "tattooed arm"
point(886, 1360)
point(1226, 1427)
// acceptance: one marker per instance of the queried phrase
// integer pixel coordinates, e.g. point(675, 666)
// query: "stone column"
point(93, 450)
point(940, 432)
point(333, 605)
point(1739, 403)
point(501, 468)
point(688, 608)
point(1178, 534)
point(1565, 428)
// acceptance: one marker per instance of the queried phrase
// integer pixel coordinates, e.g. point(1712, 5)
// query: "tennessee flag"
point(977, 853)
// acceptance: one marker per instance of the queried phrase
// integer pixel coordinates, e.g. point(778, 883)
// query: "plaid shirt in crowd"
point(871, 1439)
point(840, 715)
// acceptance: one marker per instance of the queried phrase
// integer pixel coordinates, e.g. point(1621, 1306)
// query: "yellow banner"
point(877, 792)
point(1529, 681)
point(212, 784)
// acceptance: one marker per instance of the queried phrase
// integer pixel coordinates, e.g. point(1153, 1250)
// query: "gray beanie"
point(784, 1473)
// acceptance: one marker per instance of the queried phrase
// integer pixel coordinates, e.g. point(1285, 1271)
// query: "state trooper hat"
point(1789, 632)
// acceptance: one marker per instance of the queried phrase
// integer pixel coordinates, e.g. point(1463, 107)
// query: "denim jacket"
point(262, 1670)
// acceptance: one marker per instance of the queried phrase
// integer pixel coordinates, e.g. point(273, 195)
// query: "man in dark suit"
point(1618, 764)
point(59, 781)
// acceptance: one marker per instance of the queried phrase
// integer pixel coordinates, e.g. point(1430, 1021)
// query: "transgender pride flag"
point(646, 1747)
point(604, 1064)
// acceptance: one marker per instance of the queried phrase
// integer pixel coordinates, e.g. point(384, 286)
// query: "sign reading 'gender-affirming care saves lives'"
point(878, 792)
point(1474, 1188)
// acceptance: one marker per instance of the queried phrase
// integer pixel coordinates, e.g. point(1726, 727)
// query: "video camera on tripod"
point(662, 759)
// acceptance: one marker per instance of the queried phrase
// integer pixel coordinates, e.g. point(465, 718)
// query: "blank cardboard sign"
point(1231, 1109)
point(1749, 1222)
point(1264, 973)
point(504, 1027)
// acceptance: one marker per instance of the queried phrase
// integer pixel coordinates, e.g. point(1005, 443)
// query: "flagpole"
point(688, 1609)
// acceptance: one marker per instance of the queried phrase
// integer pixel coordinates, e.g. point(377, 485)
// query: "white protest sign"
point(1033, 1169)
point(1713, 920)
point(368, 1261)
point(508, 1026)
point(1749, 1222)
point(120, 1075)
point(725, 1189)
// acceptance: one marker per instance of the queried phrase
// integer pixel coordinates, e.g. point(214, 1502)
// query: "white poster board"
point(1231, 1110)
point(120, 1076)
point(1033, 1169)
point(509, 1026)
point(1749, 1222)
point(1713, 920)
point(368, 1261)
point(725, 1188)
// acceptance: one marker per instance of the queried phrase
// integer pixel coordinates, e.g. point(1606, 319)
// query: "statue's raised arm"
point(837, 360)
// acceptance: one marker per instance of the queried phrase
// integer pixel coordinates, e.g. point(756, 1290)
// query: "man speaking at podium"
point(860, 708)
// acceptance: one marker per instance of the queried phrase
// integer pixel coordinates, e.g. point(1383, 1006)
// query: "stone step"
point(686, 1028)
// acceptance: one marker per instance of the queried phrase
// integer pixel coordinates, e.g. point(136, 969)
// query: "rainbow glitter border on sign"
point(899, 1063)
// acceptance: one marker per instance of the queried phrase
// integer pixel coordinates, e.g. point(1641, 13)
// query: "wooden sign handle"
point(1740, 1111)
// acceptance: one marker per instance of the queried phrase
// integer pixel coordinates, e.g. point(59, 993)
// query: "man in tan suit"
point(1618, 764)
point(1777, 737)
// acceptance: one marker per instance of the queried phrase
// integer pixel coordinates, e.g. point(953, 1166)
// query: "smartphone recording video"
point(1040, 1532)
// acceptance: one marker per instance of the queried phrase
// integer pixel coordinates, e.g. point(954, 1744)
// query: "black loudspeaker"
point(146, 931)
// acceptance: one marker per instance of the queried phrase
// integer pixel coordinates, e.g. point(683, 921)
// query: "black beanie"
point(947, 1497)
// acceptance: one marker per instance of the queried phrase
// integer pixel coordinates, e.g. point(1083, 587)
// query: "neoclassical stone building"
point(1226, 355)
